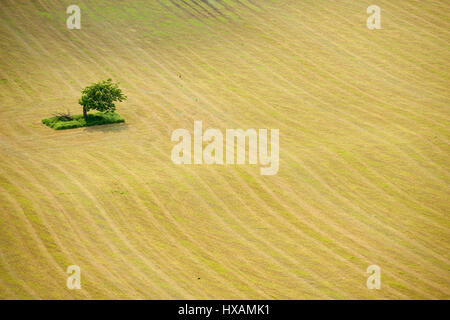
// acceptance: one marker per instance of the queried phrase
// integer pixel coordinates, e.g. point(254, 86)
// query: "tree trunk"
point(84, 113)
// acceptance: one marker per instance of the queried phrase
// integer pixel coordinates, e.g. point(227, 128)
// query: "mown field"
point(364, 150)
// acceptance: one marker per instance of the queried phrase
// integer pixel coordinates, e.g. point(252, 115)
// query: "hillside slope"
point(364, 150)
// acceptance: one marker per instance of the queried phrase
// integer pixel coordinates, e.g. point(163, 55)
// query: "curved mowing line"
point(216, 216)
point(313, 97)
point(166, 211)
point(27, 288)
point(410, 13)
point(114, 229)
point(410, 62)
point(219, 199)
point(45, 223)
point(158, 225)
point(74, 227)
point(41, 247)
point(81, 209)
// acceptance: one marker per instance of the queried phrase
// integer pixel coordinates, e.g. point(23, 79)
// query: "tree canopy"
point(101, 96)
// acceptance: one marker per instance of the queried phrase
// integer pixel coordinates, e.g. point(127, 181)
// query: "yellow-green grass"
point(364, 150)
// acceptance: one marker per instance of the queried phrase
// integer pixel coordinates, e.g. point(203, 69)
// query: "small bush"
point(63, 116)
point(78, 121)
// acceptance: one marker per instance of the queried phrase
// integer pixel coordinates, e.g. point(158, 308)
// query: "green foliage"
point(78, 121)
point(101, 96)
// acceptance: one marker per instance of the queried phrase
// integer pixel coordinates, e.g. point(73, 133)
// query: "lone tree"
point(101, 96)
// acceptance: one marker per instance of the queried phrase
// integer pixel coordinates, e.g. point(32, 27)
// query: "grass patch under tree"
point(60, 123)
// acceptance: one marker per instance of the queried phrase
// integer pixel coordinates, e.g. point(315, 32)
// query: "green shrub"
point(78, 121)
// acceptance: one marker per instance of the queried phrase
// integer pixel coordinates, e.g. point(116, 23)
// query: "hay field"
point(364, 150)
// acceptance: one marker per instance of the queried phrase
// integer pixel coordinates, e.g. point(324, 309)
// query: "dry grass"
point(364, 163)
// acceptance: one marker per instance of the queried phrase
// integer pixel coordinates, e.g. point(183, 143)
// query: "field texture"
point(364, 150)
